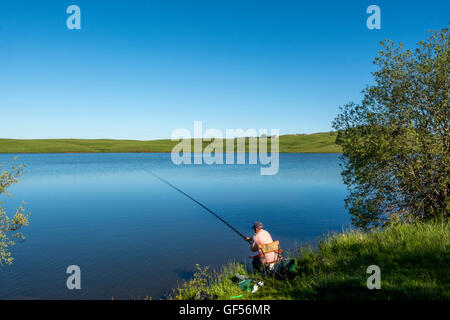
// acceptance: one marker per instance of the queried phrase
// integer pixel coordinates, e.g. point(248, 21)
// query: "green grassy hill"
point(311, 143)
point(413, 260)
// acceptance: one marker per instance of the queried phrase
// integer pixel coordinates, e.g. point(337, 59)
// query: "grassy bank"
point(312, 143)
point(414, 262)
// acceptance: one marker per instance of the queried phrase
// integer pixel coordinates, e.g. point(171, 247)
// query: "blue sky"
point(140, 69)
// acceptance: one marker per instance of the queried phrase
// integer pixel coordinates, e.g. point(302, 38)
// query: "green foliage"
point(413, 259)
point(215, 283)
point(10, 227)
point(396, 142)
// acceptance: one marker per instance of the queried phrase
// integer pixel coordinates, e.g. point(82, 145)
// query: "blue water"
point(133, 236)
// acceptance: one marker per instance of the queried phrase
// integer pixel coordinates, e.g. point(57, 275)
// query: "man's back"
point(263, 237)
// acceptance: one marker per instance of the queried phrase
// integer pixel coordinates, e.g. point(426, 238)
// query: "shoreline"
point(338, 268)
point(133, 152)
point(324, 142)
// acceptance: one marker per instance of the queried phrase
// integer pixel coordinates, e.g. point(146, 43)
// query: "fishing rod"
point(197, 202)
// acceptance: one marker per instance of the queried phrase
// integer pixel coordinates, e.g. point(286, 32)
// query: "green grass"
point(312, 143)
point(414, 262)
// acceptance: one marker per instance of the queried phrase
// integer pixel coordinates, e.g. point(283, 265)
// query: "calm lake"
point(134, 236)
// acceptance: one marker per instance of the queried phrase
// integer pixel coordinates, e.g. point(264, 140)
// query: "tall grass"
point(414, 262)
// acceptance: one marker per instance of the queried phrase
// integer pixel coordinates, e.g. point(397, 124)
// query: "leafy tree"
point(10, 227)
point(396, 142)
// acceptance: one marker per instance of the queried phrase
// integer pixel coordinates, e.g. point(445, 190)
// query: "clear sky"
point(140, 69)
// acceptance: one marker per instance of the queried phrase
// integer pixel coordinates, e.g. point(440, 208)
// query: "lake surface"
point(134, 236)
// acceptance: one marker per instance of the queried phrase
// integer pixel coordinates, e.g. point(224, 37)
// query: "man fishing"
point(260, 237)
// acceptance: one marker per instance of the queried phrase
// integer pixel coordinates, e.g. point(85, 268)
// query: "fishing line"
point(197, 202)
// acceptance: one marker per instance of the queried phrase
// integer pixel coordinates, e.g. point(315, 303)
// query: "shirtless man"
point(260, 237)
